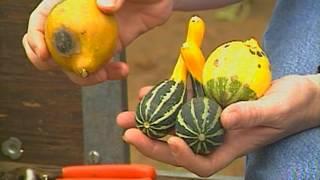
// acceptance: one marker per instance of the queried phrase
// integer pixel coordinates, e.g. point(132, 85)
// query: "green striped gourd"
point(157, 111)
point(198, 122)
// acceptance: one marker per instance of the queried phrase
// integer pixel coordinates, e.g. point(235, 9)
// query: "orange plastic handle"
point(110, 171)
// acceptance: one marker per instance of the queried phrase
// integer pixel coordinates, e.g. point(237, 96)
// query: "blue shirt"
point(292, 42)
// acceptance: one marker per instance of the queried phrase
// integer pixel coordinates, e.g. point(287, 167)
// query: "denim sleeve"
point(292, 42)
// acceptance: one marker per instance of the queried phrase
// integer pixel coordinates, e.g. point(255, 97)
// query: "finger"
point(201, 165)
point(39, 15)
point(112, 71)
point(154, 149)
point(34, 59)
point(36, 28)
point(186, 158)
point(248, 114)
point(116, 70)
point(46, 6)
point(143, 91)
point(126, 120)
point(37, 43)
point(109, 6)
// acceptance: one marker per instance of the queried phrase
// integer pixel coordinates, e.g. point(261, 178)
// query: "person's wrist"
point(315, 78)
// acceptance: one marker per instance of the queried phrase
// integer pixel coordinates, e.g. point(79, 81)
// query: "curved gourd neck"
point(194, 59)
point(180, 71)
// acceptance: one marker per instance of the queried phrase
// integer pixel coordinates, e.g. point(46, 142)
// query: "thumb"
point(109, 6)
point(248, 114)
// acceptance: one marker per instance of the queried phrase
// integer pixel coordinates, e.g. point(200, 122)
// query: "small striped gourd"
point(198, 124)
point(157, 111)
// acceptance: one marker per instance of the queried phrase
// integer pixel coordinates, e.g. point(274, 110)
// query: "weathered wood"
point(42, 109)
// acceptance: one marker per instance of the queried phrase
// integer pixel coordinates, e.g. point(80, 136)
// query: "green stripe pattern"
point(198, 124)
point(228, 90)
point(156, 113)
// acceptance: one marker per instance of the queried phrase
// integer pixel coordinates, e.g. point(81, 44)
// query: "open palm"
point(249, 125)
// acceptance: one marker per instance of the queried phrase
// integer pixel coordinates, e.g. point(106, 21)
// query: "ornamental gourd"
point(198, 124)
point(235, 71)
point(156, 113)
point(198, 121)
point(79, 37)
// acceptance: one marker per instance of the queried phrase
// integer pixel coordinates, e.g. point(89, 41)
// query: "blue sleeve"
point(292, 42)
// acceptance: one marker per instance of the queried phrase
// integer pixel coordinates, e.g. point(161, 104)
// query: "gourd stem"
point(180, 71)
point(195, 30)
point(197, 88)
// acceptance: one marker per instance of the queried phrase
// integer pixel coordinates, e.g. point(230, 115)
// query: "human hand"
point(289, 106)
point(134, 18)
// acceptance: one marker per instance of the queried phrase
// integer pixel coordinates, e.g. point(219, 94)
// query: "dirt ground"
point(152, 57)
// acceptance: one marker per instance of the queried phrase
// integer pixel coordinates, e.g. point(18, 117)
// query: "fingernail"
point(107, 3)
point(124, 138)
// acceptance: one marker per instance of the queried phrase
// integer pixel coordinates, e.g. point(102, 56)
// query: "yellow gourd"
point(80, 38)
point(235, 71)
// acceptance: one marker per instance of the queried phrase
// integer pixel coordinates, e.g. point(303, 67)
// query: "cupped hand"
point(291, 105)
point(134, 18)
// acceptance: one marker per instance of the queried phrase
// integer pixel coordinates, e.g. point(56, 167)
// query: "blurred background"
point(152, 57)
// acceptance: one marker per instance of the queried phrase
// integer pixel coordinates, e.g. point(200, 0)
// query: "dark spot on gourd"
point(216, 63)
point(83, 32)
point(259, 54)
point(252, 52)
point(259, 66)
point(64, 42)
point(227, 45)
